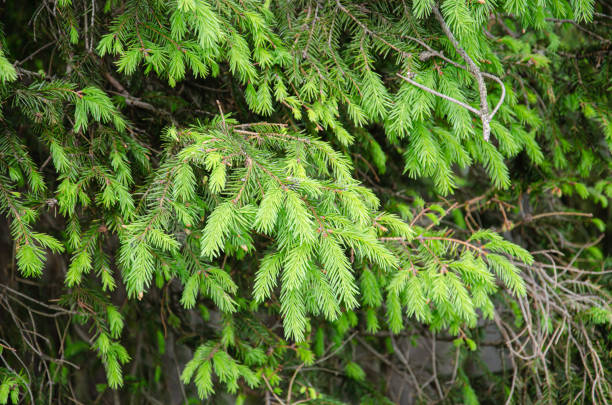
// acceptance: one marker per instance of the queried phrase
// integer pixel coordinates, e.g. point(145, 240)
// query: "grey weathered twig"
point(129, 99)
point(432, 52)
point(441, 95)
point(485, 117)
point(483, 112)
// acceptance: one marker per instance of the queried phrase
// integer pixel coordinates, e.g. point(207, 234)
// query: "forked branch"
point(485, 117)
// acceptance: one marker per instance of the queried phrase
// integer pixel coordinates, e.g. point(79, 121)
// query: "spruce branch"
point(432, 52)
point(281, 209)
point(437, 93)
point(369, 31)
point(473, 68)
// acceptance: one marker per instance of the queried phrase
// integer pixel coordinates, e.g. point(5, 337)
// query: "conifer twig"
point(473, 68)
point(432, 52)
point(369, 31)
point(280, 401)
point(295, 373)
point(393, 367)
point(483, 113)
point(581, 28)
point(406, 364)
point(441, 95)
point(129, 99)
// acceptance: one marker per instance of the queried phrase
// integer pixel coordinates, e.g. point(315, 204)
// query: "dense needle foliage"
point(332, 201)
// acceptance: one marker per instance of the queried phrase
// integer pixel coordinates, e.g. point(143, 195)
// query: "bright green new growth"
point(317, 220)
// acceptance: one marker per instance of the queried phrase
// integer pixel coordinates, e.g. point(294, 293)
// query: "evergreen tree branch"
point(473, 68)
point(432, 52)
point(437, 93)
point(283, 208)
point(370, 32)
point(271, 390)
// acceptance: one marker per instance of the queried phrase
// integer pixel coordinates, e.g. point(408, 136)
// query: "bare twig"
point(129, 99)
point(485, 117)
point(280, 401)
point(580, 27)
point(295, 373)
point(436, 93)
point(432, 52)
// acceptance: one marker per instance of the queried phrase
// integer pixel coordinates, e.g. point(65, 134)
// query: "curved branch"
point(444, 96)
point(432, 52)
point(473, 68)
